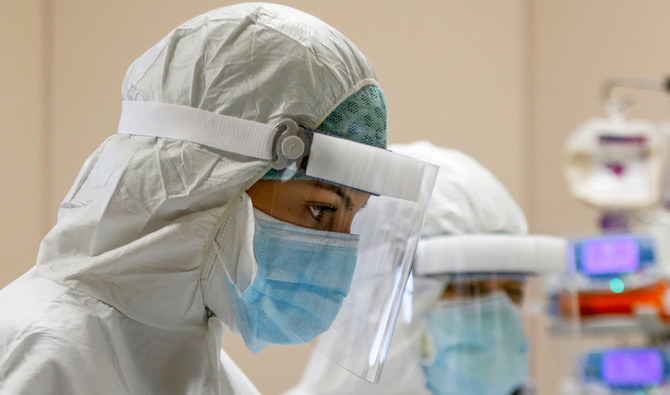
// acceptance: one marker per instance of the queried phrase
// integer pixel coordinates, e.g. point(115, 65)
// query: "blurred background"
point(504, 81)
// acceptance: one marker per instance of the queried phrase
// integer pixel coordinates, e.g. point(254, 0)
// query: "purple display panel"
point(610, 256)
point(633, 367)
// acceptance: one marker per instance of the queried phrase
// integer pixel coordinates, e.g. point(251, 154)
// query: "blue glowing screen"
point(610, 256)
point(634, 367)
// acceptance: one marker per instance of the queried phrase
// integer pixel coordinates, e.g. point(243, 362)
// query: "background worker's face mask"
point(475, 346)
point(474, 337)
point(303, 276)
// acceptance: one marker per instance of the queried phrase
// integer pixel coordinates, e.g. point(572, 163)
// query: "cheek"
point(342, 221)
point(291, 212)
point(282, 209)
point(341, 225)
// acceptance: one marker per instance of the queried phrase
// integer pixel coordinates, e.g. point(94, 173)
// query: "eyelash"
point(321, 210)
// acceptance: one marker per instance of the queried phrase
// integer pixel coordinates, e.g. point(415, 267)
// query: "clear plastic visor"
point(333, 262)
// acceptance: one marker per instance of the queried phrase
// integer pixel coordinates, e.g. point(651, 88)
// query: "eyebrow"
point(339, 192)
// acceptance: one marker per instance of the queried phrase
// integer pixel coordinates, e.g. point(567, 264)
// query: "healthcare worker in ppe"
point(460, 329)
point(231, 198)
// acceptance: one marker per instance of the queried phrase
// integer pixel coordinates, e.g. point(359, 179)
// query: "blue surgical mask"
point(302, 278)
point(477, 346)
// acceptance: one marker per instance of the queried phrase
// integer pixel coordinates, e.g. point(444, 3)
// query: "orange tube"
point(594, 303)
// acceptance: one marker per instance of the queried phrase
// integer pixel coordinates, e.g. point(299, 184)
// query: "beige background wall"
point(505, 81)
point(21, 125)
point(576, 46)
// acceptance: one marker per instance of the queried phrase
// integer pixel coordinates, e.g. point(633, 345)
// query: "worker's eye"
point(319, 211)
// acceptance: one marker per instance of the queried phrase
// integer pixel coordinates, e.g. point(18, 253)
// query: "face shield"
point(326, 262)
point(477, 335)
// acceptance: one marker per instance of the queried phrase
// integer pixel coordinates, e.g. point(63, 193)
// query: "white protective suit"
point(126, 296)
point(467, 199)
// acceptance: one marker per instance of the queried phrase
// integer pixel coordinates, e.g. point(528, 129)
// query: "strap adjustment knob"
point(291, 144)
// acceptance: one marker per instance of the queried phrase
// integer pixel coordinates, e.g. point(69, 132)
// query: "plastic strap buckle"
point(291, 144)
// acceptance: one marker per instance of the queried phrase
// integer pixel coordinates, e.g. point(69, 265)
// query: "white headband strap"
point(332, 159)
point(222, 132)
point(486, 253)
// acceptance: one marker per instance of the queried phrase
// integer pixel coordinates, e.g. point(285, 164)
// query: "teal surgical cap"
point(361, 117)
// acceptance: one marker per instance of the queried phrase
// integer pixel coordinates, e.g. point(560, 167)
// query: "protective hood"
point(255, 61)
point(133, 230)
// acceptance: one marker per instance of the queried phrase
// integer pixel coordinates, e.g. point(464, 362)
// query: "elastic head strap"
point(332, 159)
point(484, 253)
